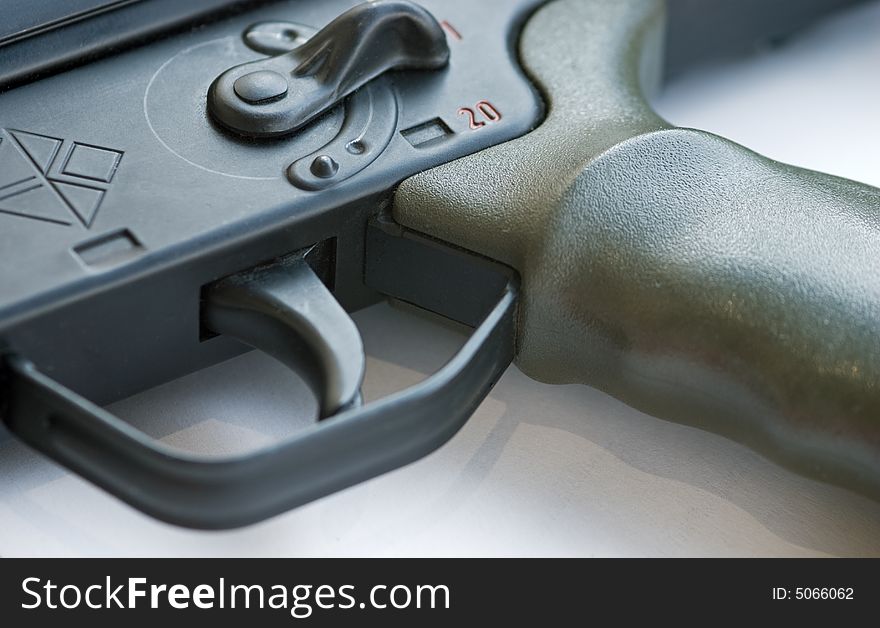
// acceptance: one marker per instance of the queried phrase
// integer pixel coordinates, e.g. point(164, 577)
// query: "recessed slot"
point(426, 133)
point(109, 250)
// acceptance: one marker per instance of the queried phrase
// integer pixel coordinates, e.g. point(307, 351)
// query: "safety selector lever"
point(280, 94)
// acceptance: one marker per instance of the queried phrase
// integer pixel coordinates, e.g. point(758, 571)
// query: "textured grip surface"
point(682, 273)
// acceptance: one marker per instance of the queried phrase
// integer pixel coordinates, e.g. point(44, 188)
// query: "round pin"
point(324, 167)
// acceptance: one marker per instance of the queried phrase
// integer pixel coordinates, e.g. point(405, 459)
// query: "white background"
point(539, 470)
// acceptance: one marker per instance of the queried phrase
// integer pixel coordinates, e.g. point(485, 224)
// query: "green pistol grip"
point(680, 272)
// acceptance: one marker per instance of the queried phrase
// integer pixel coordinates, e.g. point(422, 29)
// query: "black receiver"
point(168, 207)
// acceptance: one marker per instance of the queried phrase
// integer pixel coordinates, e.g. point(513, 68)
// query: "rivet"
point(324, 167)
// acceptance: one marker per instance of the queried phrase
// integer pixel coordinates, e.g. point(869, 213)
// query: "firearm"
point(179, 184)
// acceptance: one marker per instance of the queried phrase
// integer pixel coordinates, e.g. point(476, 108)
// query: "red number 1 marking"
point(451, 30)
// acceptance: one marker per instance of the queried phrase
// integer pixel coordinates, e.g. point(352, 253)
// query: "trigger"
point(285, 310)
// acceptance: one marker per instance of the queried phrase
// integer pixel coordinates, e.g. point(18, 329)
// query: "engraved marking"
point(9, 185)
point(53, 221)
point(24, 191)
point(14, 167)
point(41, 149)
point(451, 30)
point(473, 123)
point(91, 162)
point(487, 111)
point(38, 200)
point(83, 200)
point(46, 194)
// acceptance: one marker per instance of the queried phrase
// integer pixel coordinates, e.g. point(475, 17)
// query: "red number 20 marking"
point(483, 109)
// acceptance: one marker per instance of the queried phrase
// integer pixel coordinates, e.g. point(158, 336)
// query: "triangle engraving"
point(14, 167)
point(36, 202)
point(84, 201)
point(40, 148)
point(54, 180)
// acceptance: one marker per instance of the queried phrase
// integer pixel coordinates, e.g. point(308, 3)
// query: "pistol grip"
point(686, 275)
